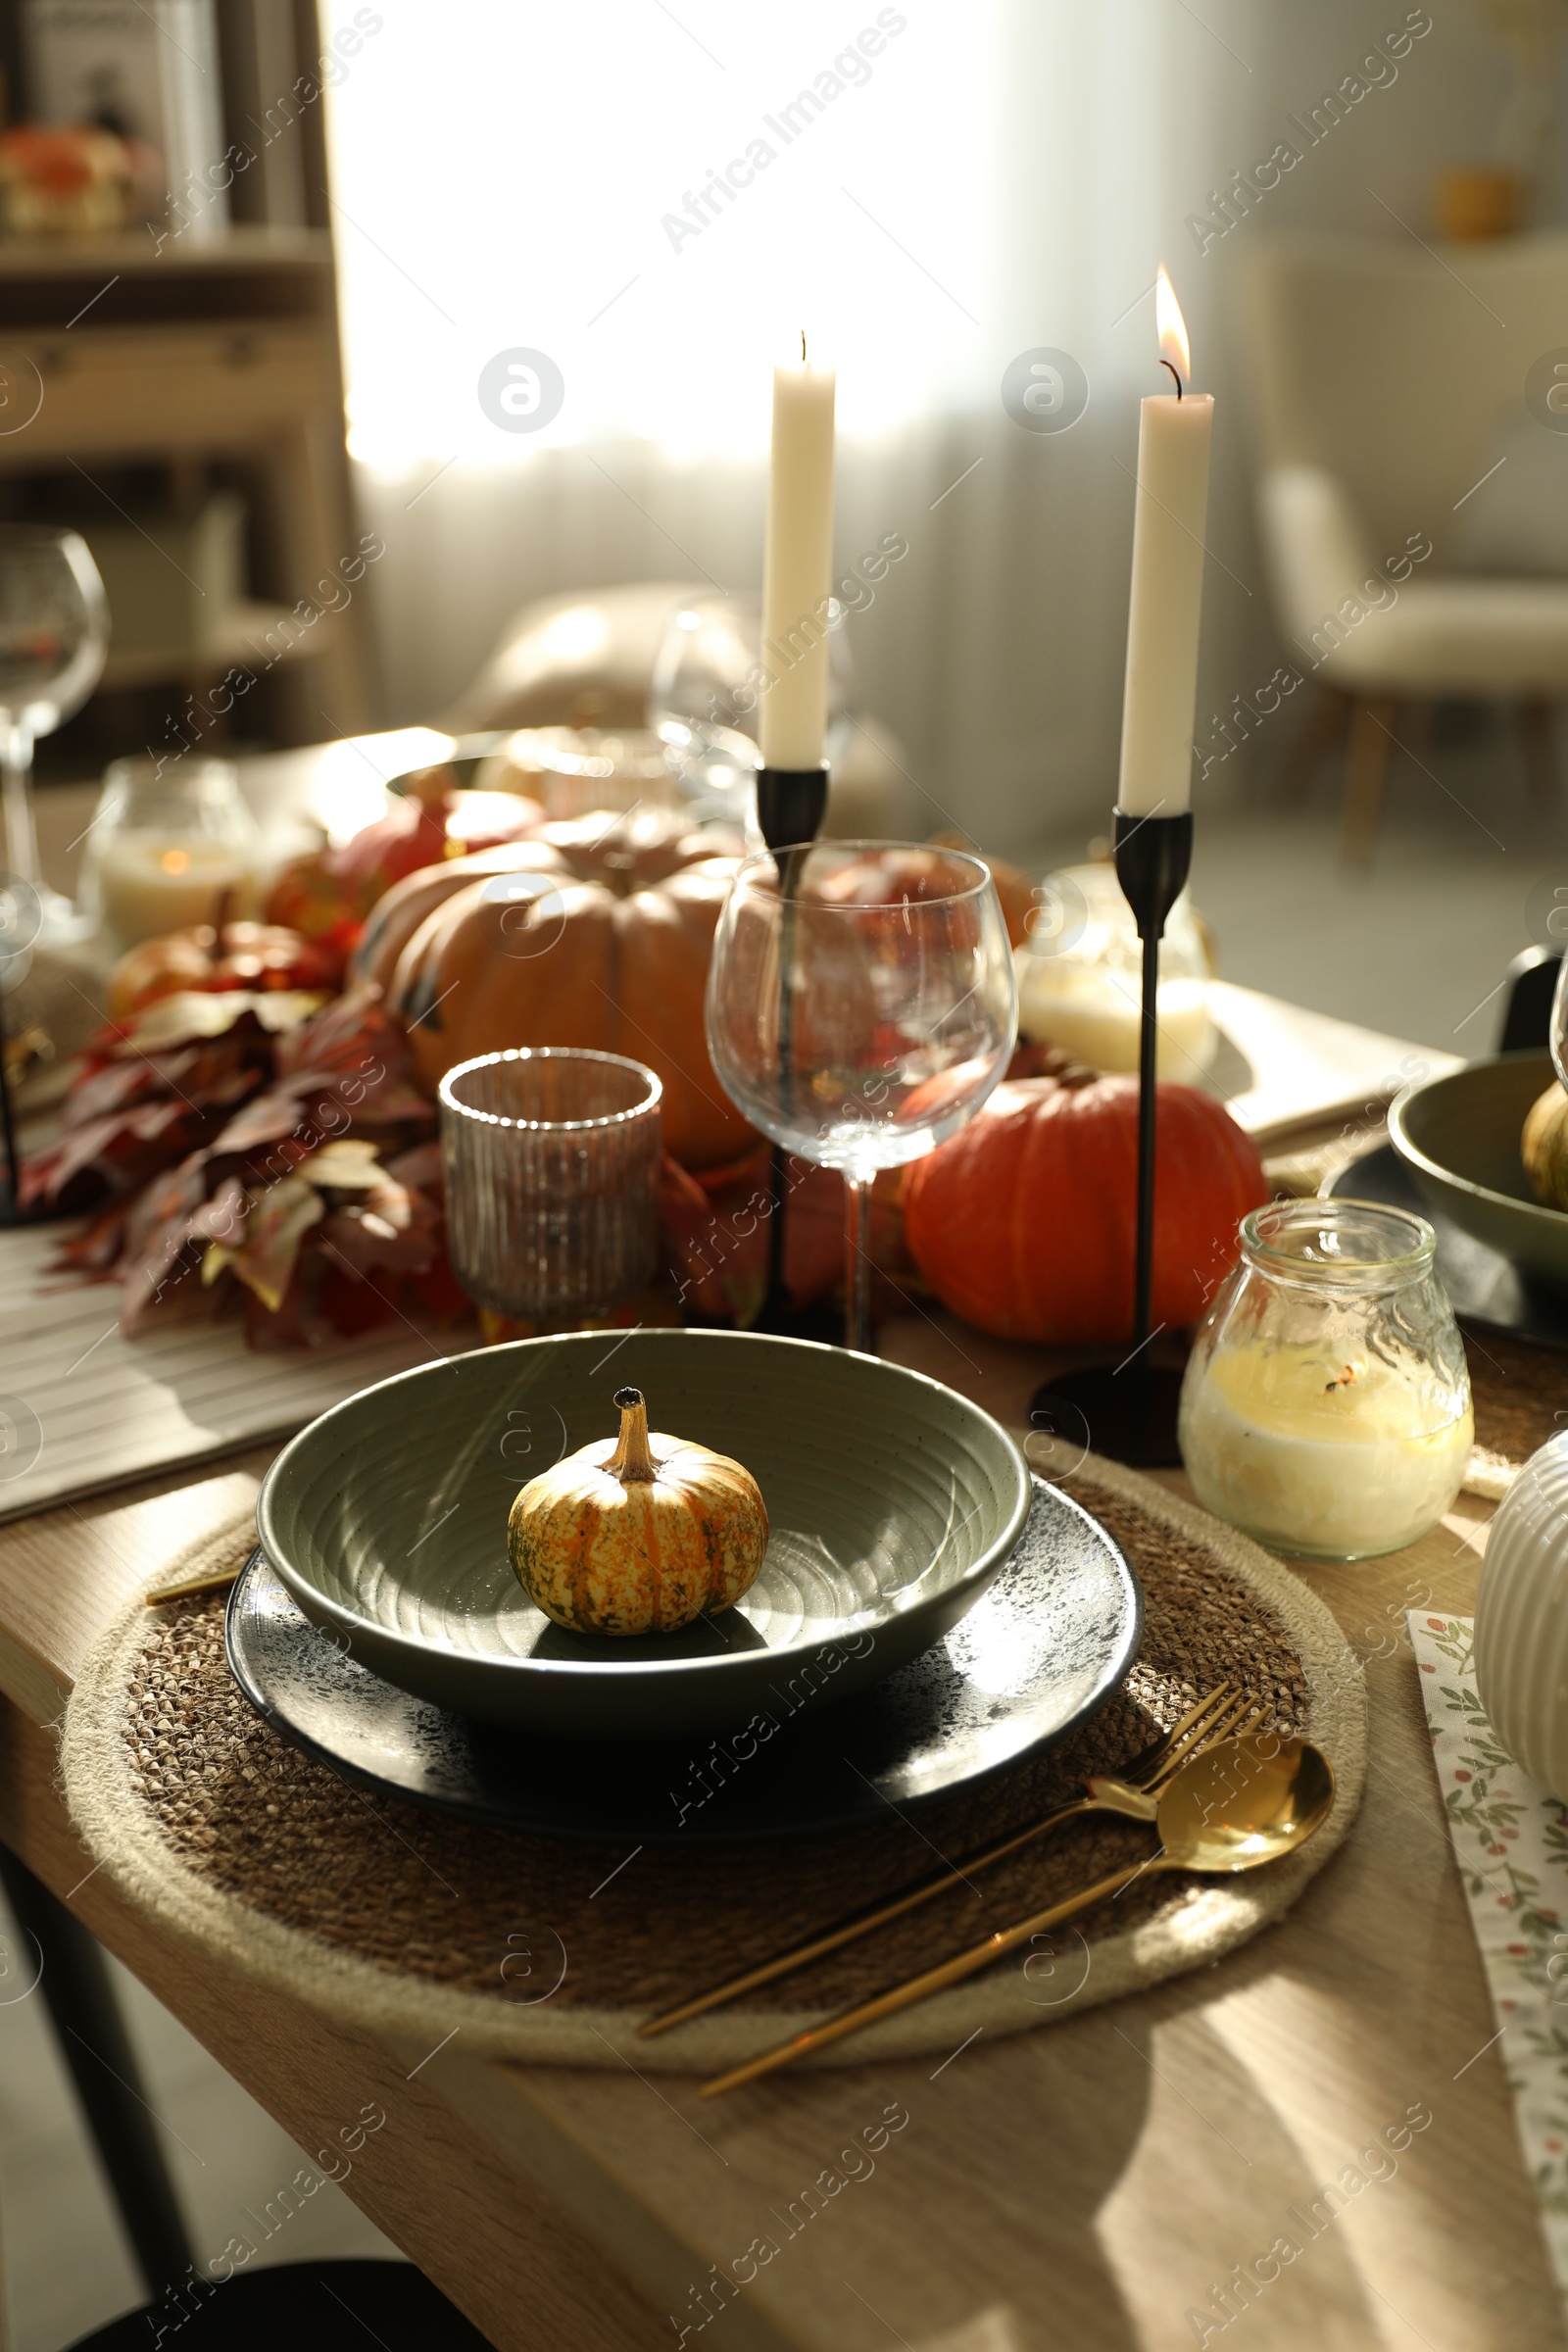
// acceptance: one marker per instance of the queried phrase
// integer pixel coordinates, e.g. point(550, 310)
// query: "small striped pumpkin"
point(637, 1533)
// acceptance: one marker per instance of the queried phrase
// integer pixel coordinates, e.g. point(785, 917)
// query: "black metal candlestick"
point(1131, 1409)
point(791, 803)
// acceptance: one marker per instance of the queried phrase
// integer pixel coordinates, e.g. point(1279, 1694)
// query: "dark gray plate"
point(1054, 1636)
point(1483, 1287)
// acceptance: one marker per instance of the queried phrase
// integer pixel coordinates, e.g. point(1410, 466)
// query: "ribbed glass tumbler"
point(552, 1174)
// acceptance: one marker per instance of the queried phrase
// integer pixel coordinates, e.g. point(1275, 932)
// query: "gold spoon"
point(1241, 1803)
point(1222, 1712)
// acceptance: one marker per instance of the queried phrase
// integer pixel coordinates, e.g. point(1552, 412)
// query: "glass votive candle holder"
point(170, 845)
point(1326, 1407)
point(551, 1156)
point(1080, 977)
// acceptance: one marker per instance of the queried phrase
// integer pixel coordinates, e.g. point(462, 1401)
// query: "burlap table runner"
point(536, 1948)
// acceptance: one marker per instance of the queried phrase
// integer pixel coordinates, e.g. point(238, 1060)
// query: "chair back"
point(1391, 367)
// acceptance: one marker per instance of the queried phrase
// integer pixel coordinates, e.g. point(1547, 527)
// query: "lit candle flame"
point(1174, 349)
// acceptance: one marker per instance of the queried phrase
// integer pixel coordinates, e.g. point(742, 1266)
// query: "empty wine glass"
point(861, 1007)
point(706, 691)
point(54, 636)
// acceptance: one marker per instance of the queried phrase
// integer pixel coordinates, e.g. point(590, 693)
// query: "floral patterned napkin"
point(1510, 1839)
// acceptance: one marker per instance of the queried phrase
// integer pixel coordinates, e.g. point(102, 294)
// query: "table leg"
point(94, 2043)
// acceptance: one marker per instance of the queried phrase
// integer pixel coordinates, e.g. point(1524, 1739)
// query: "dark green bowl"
point(893, 1503)
point(1459, 1137)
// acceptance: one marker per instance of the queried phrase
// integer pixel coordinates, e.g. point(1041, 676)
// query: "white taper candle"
point(797, 568)
point(1167, 591)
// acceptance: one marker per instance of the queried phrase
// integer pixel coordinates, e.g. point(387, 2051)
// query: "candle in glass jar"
point(1078, 977)
point(1332, 1459)
point(147, 885)
point(1092, 1012)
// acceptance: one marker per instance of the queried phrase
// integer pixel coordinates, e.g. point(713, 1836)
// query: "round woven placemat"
point(419, 1925)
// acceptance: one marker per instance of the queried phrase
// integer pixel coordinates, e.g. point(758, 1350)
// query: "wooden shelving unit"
point(171, 366)
point(241, 639)
point(245, 245)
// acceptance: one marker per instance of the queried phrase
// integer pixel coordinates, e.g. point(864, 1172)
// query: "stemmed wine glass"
point(54, 636)
point(704, 697)
point(861, 1007)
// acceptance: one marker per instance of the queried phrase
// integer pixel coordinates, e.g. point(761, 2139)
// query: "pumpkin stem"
point(633, 1457)
point(429, 786)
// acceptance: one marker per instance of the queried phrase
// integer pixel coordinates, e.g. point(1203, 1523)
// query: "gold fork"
point(1206, 1819)
point(1216, 1716)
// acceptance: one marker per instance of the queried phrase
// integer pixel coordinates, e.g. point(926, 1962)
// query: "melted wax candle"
point(1328, 1460)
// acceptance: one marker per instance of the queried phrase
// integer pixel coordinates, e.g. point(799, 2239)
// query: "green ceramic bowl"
point(893, 1503)
point(1460, 1136)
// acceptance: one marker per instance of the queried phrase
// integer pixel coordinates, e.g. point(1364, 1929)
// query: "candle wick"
point(803, 347)
point(1167, 364)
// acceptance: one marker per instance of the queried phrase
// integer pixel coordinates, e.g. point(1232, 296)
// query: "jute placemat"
point(420, 1925)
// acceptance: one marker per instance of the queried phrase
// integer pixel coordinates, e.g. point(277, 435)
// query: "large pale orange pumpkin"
point(397, 916)
point(612, 954)
point(1024, 1223)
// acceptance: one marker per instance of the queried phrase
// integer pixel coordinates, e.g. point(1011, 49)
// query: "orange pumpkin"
point(254, 955)
point(397, 916)
point(615, 957)
point(1024, 1223)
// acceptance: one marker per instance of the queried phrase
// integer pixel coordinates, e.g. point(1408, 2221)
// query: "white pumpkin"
point(1521, 1641)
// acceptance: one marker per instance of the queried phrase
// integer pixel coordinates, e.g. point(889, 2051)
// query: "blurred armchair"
point(1389, 395)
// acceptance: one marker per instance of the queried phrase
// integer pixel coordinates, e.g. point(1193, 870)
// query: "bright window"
point(660, 199)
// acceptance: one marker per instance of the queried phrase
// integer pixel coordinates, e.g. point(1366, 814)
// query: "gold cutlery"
point(215, 1579)
point(1221, 1711)
point(1229, 1808)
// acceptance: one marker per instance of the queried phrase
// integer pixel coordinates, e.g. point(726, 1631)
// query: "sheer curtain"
point(659, 198)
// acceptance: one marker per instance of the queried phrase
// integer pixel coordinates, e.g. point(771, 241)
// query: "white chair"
point(1386, 379)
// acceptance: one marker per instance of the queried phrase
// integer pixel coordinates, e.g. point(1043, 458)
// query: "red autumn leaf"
point(280, 1219)
point(716, 1235)
point(419, 1167)
point(196, 1014)
point(156, 1233)
point(390, 1228)
point(268, 1119)
point(352, 1305)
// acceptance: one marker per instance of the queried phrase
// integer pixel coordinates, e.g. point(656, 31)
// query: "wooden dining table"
point(1086, 2185)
